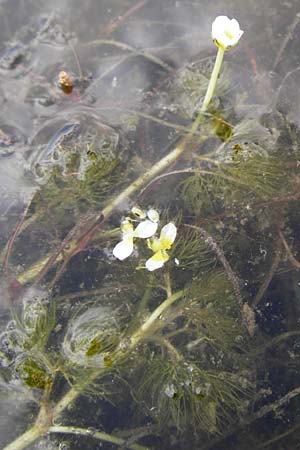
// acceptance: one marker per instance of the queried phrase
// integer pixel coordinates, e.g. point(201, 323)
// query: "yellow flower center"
point(228, 34)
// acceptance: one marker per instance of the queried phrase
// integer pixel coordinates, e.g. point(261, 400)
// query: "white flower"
point(225, 32)
point(148, 227)
point(166, 239)
point(145, 229)
point(160, 245)
point(125, 247)
point(157, 260)
point(168, 235)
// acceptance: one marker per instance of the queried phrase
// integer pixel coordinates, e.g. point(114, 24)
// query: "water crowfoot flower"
point(225, 33)
point(157, 260)
point(148, 227)
point(160, 245)
point(125, 247)
point(145, 229)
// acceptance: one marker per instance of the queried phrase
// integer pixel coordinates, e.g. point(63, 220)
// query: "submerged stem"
point(25, 439)
point(154, 316)
point(95, 434)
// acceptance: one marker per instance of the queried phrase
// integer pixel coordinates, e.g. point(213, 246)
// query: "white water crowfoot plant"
point(178, 319)
point(160, 246)
point(225, 33)
point(126, 246)
point(144, 230)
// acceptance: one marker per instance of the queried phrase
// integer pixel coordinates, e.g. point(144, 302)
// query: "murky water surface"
point(97, 101)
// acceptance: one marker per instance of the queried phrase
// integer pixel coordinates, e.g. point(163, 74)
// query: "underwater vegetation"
point(139, 314)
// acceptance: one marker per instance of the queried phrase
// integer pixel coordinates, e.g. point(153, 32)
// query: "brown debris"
point(65, 82)
point(248, 316)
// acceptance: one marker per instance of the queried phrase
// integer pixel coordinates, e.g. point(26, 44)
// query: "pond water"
point(107, 170)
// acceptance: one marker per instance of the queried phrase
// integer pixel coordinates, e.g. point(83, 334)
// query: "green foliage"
point(182, 394)
point(78, 189)
point(192, 252)
point(192, 367)
point(212, 289)
point(35, 376)
point(234, 183)
point(91, 334)
point(191, 83)
point(38, 318)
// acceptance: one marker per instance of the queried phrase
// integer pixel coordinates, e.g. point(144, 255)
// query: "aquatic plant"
point(225, 33)
point(158, 324)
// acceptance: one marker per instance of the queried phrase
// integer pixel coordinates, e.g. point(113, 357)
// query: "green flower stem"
point(213, 80)
point(144, 329)
point(97, 435)
point(174, 154)
point(141, 308)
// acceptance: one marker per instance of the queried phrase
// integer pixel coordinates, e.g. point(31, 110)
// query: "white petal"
point(219, 23)
point(153, 215)
point(225, 32)
point(168, 234)
point(157, 260)
point(123, 249)
point(153, 265)
point(235, 27)
point(145, 229)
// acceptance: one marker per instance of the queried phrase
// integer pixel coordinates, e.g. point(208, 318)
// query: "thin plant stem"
point(110, 28)
point(269, 277)
point(141, 308)
point(14, 236)
point(267, 409)
point(96, 435)
point(213, 79)
point(170, 347)
point(126, 47)
point(286, 40)
point(295, 263)
point(210, 241)
point(168, 284)
point(195, 171)
point(145, 328)
point(76, 59)
point(25, 439)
